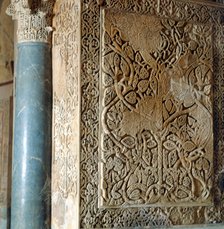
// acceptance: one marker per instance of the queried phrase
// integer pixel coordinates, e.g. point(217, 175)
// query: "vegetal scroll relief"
point(156, 111)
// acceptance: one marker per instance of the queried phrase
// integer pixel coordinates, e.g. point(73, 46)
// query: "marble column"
point(32, 116)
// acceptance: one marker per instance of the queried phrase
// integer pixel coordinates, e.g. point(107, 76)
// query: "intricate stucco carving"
point(65, 163)
point(156, 119)
point(34, 19)
point(180, 27)
point(177, 12)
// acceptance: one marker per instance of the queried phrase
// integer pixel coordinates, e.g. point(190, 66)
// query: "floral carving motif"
point(65, 163)
point(34, 19)
point(156, 112)
point(91, 216)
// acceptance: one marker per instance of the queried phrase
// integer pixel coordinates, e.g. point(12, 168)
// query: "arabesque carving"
point(34, 19)
point(188, 13)
point(157, 126)
point(66, 109)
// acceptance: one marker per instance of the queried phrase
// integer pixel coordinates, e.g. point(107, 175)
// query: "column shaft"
point(32, 137)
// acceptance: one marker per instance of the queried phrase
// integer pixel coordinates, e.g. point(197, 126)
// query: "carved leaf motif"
point(132, 180)
point(189, 146)
point(151, 180)
point(128, 141)
point(169, 145)
point(108, 80)
point(172, 158)
point(168, 105)
point(135, 194)
point(143, 85)
point(129, 52)
point(153, 84)
point(144, 74)
point(207, 90)
point(181, 194)
point(182, 120)
point(109, 95)
point(107, 38)
point(131, 97)
point(111, 124)
point(115, 191)
point(117, 60)
point(106, 65)
point(206, 165)
point(138, 57)
point(151, 143)
point(118, 40)
point(124, 67)
point(187, 182)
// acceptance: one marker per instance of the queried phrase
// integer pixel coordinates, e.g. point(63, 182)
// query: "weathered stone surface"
point(5, 159)
point(34, 19)
point(156, 111)
point(6, 44)
point(66, 118)
point(150, 124)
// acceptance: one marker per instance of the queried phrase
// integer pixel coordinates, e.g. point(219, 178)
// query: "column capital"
point(34, 19)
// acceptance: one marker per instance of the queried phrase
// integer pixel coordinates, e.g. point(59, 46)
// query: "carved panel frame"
point(91, 216)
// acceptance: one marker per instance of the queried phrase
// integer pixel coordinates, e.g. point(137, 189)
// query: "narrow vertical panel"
point(4, 161)
point(66, 127)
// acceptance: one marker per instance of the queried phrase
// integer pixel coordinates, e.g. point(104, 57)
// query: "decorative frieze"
point(66, 113)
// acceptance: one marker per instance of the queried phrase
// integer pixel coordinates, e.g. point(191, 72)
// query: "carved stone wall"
point(34, 19)
point(147, 89)
point(66, 130)
point(156, 111)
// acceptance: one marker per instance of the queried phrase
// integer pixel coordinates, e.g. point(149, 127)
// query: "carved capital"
point(34, 19)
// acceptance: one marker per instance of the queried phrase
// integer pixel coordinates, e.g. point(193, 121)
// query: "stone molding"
point(34, 19)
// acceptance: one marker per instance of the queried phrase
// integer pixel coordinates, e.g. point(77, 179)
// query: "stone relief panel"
point(65, 161)
point(97, 206)
point(156, 111)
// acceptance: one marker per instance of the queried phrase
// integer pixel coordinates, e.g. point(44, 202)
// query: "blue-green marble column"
point(32, 137)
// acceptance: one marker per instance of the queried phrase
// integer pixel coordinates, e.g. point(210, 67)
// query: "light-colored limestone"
point(66, 118)
point(133, 114)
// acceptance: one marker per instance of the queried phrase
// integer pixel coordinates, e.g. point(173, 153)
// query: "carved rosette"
point(34, 19)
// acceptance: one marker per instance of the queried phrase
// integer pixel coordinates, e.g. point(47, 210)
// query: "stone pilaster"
point(32, 115)
point(66, 114)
